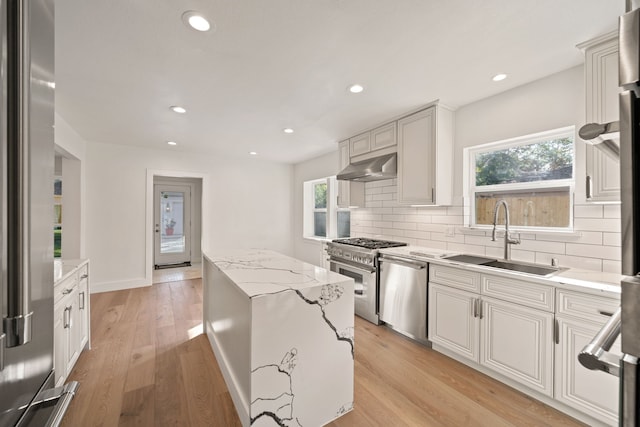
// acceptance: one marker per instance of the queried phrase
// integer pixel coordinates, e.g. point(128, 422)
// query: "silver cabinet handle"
point(84, 276)
point(589, 188)
point(605, 313)
point(81, 303)
point(474, 309)
point(17, 323)
point(66, 291)
point(556, 331)
point(479, 302)
point(66, 317)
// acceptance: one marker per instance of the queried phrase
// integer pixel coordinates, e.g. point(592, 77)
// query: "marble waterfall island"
point(282, 332)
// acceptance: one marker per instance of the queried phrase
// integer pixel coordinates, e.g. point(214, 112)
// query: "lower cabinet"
point(595, 393)
point(526, 331)
point(513, 340)
point(71, 321)
point(517, 342)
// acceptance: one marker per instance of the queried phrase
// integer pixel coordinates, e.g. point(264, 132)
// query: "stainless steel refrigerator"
point(26, 249)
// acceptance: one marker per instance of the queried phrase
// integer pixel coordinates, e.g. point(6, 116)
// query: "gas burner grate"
point(369, 243)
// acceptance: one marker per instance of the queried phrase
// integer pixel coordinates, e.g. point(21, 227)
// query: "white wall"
point(248, 205)
point(73, 148)
point(549, 103)
point(327, 165)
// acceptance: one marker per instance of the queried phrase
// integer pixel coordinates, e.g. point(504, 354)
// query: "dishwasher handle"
point(416, 265)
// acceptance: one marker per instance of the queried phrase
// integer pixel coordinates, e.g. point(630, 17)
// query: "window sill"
point(569, 233)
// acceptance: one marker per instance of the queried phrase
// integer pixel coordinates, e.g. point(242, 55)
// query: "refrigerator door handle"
point(595, 355)
point(2, 345)
point(17, 323)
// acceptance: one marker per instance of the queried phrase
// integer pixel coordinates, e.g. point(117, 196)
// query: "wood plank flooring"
point(150, 365)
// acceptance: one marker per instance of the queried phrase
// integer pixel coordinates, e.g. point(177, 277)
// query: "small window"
point(322, 217)
point(534, 174)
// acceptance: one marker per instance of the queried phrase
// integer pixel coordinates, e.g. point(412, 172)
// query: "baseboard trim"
point(97, 288)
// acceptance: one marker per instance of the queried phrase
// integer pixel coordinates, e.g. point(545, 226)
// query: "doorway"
point(172, 225)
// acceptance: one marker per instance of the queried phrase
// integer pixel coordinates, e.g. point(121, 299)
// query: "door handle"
point(17, 324)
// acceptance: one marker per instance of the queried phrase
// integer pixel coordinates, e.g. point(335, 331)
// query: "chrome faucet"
point(507, 239)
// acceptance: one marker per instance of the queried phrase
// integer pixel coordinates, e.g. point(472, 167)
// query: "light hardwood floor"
point(150, 365)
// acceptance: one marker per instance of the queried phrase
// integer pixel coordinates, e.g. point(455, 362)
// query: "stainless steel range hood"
point(374, 169)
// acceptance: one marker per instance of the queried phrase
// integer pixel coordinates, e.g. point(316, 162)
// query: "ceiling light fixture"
point(196, 21)
point(499, 77)
point(287, 130)
point(172, 143)
point(356, 88)
point(178, 109)
point(253, 153)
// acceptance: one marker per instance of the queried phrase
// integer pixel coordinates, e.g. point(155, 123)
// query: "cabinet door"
point(601, 77)
point(452, 322)
point(384, 136)
point(60, 343)
point(416, 158)
point(83, 310)
point(593, 392)
point(73, 329)
point(517, 342)
point(360, 144)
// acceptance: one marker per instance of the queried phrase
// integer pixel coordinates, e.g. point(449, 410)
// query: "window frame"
point(471, 189)
point(332, 209)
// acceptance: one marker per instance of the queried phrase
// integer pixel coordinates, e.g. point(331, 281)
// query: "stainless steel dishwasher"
point(403, 295)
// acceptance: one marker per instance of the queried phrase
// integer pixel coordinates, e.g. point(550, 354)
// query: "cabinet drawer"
point(515, 290)
point(83, 272)
point(64, 288)
point(586, 306)
point(456, 277)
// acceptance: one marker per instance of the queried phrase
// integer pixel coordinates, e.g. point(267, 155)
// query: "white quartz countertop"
point(593, 281)
point(260, 272)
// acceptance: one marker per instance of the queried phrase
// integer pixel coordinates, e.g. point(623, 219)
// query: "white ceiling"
point(273, 64)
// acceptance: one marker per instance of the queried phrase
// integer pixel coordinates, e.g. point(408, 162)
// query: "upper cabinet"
point(425, 157)
point(601, 96)
point(350, 193)
point(371, 141)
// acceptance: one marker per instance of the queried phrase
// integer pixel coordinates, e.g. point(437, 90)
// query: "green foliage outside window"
point(541, 161)
point(320, 196)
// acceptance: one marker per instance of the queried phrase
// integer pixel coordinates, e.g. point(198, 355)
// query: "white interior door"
point(172, 228)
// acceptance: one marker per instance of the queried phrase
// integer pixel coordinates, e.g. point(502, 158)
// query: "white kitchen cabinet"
point(601, 92)
point(579, 318)
point(425, 157)
point(510, 336)
point(517, 342)
point(71, 320)
point(452, 320)
point(350, 193)
point(360, 144)
point(384, 136)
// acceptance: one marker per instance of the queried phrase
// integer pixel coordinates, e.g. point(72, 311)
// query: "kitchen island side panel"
point(227, 323)
point(302, 360)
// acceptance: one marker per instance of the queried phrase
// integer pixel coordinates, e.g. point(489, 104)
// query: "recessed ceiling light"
point(287, 130)
point(196, 21)
point(172, 143)
point(356, 88)
point(499, 77)
point(253, 153)
point(178, 109)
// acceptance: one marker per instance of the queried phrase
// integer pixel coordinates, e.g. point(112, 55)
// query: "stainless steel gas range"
point(357, 258)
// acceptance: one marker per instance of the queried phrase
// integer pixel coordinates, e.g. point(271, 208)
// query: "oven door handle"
point(404, 262)
point(353, 267)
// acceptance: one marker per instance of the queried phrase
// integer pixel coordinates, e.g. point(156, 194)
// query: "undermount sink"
point(538, 270)
point(520, 267)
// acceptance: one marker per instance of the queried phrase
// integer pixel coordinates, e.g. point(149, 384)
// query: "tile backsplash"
point(594, 245)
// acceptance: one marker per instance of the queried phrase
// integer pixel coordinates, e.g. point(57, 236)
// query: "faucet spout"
point(508, 240)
